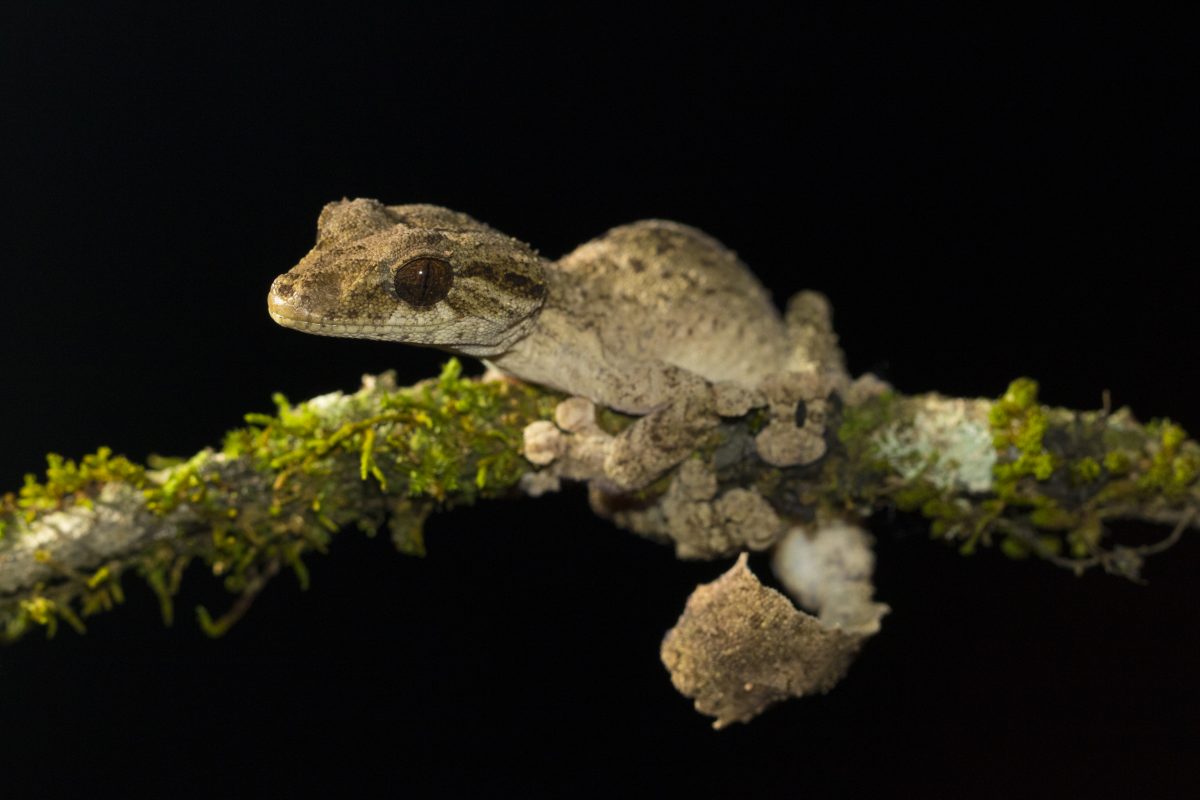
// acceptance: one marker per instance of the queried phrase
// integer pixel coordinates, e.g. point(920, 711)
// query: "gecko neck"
point(519, 331)
point(507, 342)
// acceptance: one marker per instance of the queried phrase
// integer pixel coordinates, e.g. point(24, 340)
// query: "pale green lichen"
point(943, 443)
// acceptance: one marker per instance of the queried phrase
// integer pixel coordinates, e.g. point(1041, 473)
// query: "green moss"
point(284, 484)
point(861, 421)
point(1019, 427)
point(41, 610)
point(67, 481)
point(1085, 470)
point(1117, 462)
point(1084, 539)
point(914, 495)
point(1014, 547)
point(858, 476)
point(951, 516)
point(1050, 516)
point(407, 526)
point(1050, 498)
point(183, 484)
point(1173, 469)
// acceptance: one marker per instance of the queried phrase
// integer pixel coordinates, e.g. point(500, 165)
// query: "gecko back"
point(671, 293)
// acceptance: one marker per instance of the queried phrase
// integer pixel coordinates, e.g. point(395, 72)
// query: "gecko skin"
point(628, 320)
point(653, 318)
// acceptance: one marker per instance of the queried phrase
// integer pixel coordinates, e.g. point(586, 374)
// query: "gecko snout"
point(313, 300)
point(281, 301)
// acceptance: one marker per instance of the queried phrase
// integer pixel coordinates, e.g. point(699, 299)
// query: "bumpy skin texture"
point(628, 320)
point(653, 318)
point(634, 316)
point(345, 286)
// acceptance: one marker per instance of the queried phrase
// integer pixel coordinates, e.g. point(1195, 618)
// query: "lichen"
point(943, 443)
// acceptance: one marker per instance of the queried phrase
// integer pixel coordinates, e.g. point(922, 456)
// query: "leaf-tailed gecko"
point(654, 318)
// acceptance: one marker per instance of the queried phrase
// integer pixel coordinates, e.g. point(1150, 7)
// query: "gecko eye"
point(423, 281)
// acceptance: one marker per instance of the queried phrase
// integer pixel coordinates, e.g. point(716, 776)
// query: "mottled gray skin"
point(635, 316)
point(344, 285)
point(652, 318)
point(629, 320)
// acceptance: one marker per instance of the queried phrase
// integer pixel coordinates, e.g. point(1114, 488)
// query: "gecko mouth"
point(325, 328)
point(299, 320)
point(287, 315)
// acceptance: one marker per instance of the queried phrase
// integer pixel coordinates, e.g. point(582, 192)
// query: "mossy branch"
point(1035, 480)
point(276, 491)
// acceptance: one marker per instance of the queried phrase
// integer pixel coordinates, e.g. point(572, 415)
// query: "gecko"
point(655, 319)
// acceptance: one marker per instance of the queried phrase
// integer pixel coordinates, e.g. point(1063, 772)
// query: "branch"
point(276, 491)
point(1037, 481)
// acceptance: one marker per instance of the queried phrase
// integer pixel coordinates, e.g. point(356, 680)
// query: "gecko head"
point(417, 274)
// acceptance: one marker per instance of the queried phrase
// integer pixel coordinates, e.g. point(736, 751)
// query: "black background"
point(978, 206)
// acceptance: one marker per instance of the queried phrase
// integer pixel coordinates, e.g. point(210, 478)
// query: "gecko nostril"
point(281, 300)
point(283, 287)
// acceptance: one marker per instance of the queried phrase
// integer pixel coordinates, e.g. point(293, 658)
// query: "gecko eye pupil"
point(423, 281)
